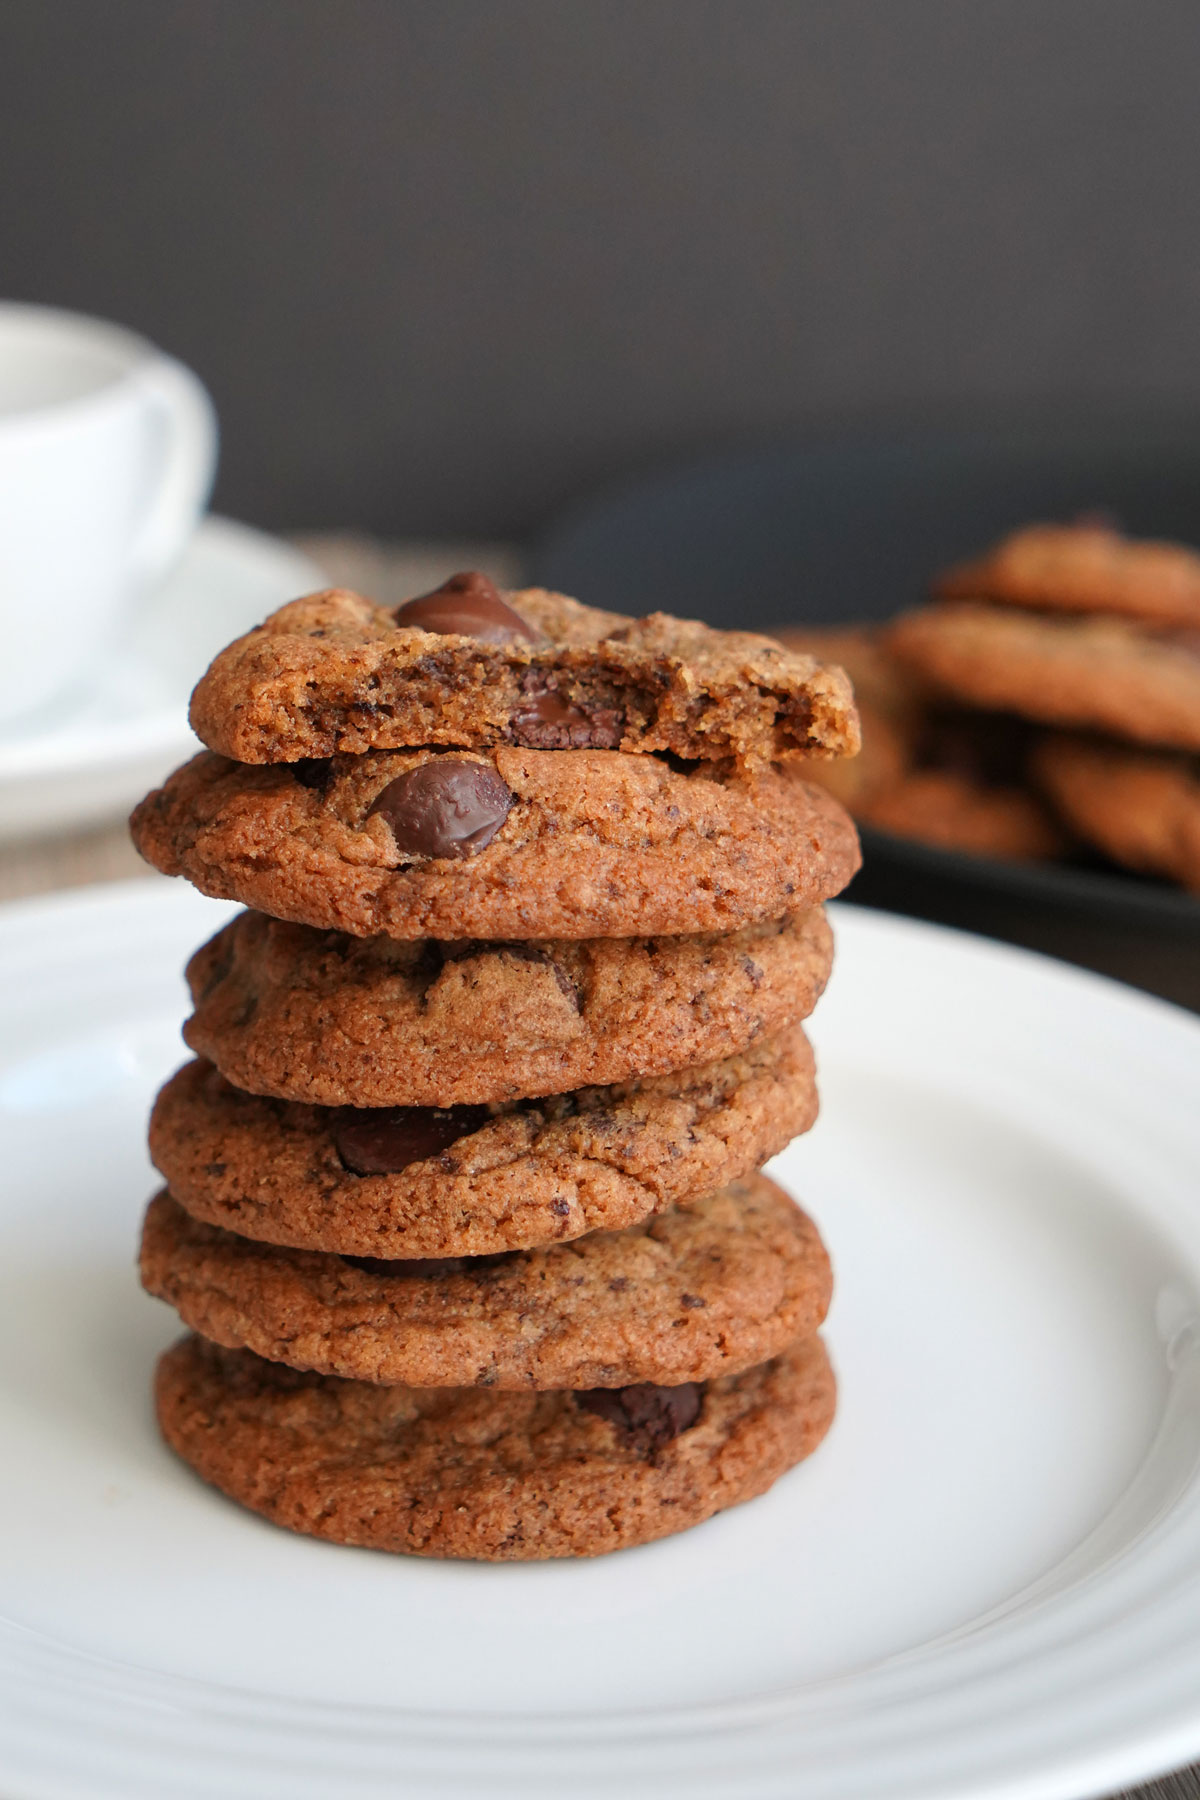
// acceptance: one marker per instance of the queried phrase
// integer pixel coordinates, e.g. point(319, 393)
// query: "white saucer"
point(986, 1583)
point(91, 762)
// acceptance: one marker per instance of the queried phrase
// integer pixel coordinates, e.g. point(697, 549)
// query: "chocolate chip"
point(313, 772)
point(647, 1417)
point(467, 605)
point(550, 709)
point(690, 1302)
point(382, 1140)
point(446, 807)
point(545, 721)
point(560, 1208)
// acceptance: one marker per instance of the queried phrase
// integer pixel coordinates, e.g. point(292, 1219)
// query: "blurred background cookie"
point(1087, 565)
point(1141, 807)
point(941, 775)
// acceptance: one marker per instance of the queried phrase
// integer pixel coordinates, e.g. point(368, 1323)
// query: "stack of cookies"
point(1079, 628)
point(464, 1208)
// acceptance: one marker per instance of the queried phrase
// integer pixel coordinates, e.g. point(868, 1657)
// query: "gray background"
point(445, 263)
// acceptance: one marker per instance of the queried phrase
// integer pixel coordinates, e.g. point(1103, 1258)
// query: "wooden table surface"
point(389, 573)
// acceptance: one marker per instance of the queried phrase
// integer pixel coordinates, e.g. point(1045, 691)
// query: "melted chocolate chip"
point(447, 807)
point(467, 605)
point(647, 1417)
point(382, 1140)
point(545, 721)
point(313, 772)
point(551, 709)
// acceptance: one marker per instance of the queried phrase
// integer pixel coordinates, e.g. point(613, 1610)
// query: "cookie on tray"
point(488, 1474)
point(470, 666)
point(685, 1296)
point(968, 789)
point(1141, 807)
point(513, 844)
point(1103, 674)
point(1084, 567)
point(316, 1015)
point(951, 778)
point(469, 1181)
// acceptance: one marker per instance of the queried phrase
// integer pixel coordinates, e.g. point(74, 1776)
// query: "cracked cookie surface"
point(685, 1296)
point(336, 1020)
point(592, 844)
point(335, 673)
point(480, 1473)
point(536, 1172)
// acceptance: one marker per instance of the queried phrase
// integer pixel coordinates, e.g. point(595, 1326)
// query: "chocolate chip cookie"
point(1141, 807)
point(1086, 567)
point(472, 667)
point(487, 1474)
point(1107, 674)
point(319, 1016)
point(472, 1181)
point(516, 844)
point(941, 775)
point(685, 1296)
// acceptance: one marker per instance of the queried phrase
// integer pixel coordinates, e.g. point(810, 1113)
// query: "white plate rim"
point(164, 731)
point(1119, 1714)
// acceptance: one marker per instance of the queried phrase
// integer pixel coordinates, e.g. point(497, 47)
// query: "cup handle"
point(187, 464)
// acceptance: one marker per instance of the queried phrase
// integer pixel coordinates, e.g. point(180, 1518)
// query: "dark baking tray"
point(851, 526)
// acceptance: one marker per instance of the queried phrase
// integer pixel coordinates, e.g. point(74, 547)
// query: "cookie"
point(472, 667)
point(889, 710)
point(460, 1181)
point(1101, 673)
point(967, 788)
point(520, 844)
point(315, 1015)
point(956, 780)
point(1084, 567)
point(952, 812)
point(685, 1296)
point(487, 1474)
point(1141, 807)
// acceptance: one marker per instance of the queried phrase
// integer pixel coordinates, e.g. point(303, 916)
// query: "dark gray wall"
point(444, 262)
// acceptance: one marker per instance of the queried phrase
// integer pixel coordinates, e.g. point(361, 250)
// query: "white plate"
point(95, 756)
point(986, 1583)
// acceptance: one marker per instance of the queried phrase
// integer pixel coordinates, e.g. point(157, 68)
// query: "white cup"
point(107, 454)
